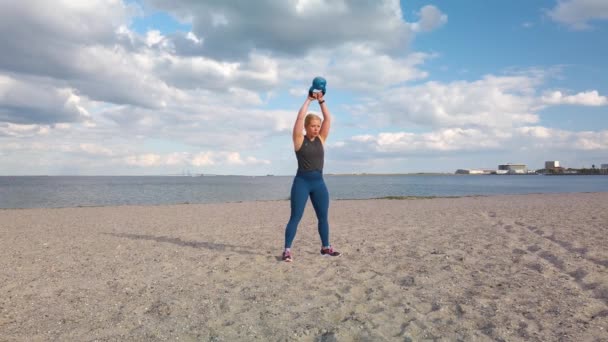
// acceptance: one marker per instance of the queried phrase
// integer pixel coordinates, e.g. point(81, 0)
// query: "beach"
point(494, 268)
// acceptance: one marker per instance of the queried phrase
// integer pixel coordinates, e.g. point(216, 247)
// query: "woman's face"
point(313, 128)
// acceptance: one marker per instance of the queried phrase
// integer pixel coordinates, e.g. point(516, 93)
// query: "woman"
point(308, 181)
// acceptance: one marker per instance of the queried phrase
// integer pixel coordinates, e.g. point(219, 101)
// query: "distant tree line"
point(570, 171)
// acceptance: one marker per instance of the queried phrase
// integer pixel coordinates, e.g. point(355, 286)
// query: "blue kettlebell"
point(318, 85)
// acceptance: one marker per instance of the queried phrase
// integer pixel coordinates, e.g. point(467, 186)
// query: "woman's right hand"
point(315, 96)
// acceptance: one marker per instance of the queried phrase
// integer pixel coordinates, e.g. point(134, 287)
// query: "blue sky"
point(158, 87)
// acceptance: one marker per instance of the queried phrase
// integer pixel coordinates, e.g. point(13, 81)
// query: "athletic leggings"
point(308, 183)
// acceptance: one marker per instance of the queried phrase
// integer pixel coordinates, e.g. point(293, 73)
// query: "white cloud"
point(203, 159)
point(366, 70)
point(259, 72)
point(209, 158)
point(536, 132)
point(578, 13)
point(234, 158)
point(592, 140)
point(144, 160)
point(96, 150)
point(431, 18)
point(458, 140)
point(52, 31)
point(34, 101)
point(588, 98)
point(84, 47)
point(362, 138)
point(194, 38)
point(399, 143)
point(78, 21)
point(361, 68)
point(291, 27)
point(494, 101)
point(154, 37)
point(22, 131)
point(551, 138)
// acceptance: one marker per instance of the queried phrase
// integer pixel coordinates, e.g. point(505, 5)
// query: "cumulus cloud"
point(87, 47)
point(209, 158)
point(259, 72)
point(452, 140)
point(145, 160)
point(22, 131)
point(39, 36)
point(82, 22)
point(79, 45)
point(360, 68)
point(400, 144)
point(493, 101)
point(290, 27)
point(205, 123)
point(31, 102)
point(95, 150)
point(588, 98)
point(430, 19)
point(365, 70)
point(551, 138)
point(578, 13)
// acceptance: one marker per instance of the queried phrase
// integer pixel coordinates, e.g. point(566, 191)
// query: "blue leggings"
point(308, 183)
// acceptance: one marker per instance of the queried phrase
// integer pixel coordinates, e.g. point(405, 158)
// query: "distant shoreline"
point(392, 174)
point(326, 174)
point(266, 175)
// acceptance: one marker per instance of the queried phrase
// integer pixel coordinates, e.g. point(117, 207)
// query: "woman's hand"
point(316, 96)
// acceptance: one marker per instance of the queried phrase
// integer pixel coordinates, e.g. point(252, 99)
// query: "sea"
point(83, 191)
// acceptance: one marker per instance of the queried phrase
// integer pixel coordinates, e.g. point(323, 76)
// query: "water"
point(68, 191)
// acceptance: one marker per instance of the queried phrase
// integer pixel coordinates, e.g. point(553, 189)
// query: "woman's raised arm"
point(326, 125)
point(298, 127)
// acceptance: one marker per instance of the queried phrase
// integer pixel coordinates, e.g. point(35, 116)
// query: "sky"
point(164, 87)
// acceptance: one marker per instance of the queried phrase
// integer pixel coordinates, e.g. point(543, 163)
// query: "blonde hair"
point(310, 117)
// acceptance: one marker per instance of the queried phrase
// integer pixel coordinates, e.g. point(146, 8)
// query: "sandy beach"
point(500, 268)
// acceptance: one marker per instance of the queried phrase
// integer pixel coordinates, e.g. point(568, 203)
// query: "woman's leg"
point(319, 197)
point(299, 196)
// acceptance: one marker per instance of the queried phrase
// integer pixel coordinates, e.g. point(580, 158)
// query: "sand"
point(500, 268)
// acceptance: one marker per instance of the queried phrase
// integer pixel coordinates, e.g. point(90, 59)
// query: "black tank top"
point(310, 155)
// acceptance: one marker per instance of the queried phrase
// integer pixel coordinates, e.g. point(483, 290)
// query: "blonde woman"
point(308, 182)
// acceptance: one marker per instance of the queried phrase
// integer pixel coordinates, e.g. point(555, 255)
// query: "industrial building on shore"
point(503, 169)
point(552, 167)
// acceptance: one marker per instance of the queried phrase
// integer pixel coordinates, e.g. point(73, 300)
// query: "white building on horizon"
point(511, 168)
point(470, 172)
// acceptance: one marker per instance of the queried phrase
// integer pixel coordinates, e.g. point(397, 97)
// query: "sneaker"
point(330, 252)
point(287, 256)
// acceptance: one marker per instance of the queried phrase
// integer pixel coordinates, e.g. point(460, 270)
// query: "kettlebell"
point(318, 85)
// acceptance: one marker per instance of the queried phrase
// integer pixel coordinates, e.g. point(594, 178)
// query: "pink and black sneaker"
point(330, 252)
point(287, 256)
